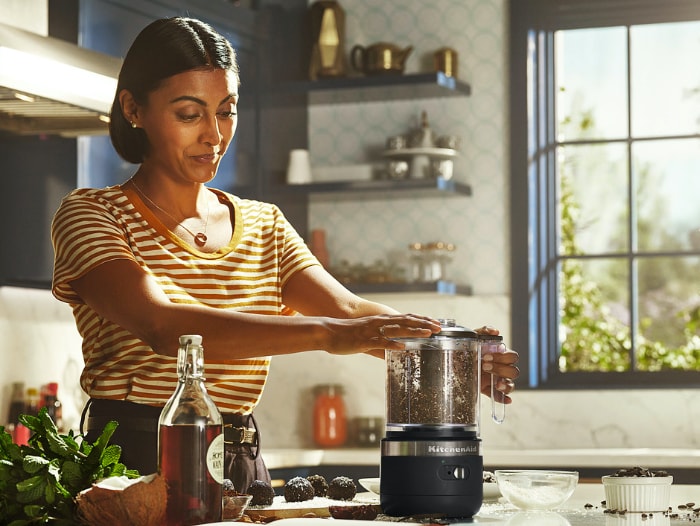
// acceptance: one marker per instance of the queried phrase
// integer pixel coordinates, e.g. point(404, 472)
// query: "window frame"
point(534, 315)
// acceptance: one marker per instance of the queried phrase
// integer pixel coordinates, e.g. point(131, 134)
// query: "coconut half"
point(124, 501)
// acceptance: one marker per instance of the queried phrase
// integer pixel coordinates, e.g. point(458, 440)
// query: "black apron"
point(137, 434)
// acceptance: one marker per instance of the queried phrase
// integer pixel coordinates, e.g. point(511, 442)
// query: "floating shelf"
point(373, 88)
point(379, 189)
point(438, 287)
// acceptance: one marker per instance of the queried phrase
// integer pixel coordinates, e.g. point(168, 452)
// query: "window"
point(605, 191)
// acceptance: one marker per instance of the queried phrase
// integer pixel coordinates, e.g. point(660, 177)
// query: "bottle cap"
point(191, 339)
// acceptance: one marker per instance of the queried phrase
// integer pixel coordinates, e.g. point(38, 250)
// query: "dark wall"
point(36, 173)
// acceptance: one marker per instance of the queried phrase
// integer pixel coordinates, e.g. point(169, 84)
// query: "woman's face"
point(190, 121)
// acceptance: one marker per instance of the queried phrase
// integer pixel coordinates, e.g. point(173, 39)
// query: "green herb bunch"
point(39, 481)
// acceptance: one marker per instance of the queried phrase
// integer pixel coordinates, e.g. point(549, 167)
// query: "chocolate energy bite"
point(262, 493)
point(318, 482)
point(298, 489)
point(342, 488)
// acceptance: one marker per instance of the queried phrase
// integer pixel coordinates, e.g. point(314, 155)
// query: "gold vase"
point(327, 22)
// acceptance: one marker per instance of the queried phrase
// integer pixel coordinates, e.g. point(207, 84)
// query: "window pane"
point(667, 178)
point(665, 79)
point(593, 210)
point(594, 320)
point(591, 83)
point(669, 313)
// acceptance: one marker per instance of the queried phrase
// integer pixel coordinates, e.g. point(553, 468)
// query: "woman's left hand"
point(498, 367)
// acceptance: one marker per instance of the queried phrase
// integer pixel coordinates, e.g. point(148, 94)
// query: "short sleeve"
point(295, 255)
point(85, 233)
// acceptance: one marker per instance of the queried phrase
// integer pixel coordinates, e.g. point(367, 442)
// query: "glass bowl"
point(234, 506)
point(530, 489)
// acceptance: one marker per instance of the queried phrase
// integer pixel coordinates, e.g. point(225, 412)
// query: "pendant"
point(200, 239)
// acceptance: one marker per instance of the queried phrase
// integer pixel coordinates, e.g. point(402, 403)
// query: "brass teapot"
point(380, 58)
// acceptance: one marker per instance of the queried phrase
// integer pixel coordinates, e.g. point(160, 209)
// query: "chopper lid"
point(449, 330)
point(455, 331)
point(494, 337)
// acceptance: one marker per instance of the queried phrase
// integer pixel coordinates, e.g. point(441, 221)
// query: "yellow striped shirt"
point(93, 226)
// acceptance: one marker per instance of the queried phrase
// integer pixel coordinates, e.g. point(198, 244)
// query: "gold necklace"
point(200, 238)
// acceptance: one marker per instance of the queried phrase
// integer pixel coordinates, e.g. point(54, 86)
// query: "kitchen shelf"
point(373, 88)
point(439, 287)
point(380, 189)
point(437, 153)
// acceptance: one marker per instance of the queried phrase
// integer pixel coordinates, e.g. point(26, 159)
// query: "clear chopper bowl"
point(434, 382)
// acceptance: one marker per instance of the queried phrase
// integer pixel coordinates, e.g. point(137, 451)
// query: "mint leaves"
point(39, 482)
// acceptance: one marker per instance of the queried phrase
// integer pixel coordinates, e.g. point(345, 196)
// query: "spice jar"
point(436, 258)
point(329, 419)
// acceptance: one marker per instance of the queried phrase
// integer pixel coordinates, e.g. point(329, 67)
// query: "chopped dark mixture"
point(364, 512)
point(638, 471)
point(228, 488)
point(489, 477)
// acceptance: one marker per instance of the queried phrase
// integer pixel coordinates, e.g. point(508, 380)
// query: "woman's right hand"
point(374, 334)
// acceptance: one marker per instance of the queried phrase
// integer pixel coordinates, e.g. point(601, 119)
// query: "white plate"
point(371, 485)
point(491, 491)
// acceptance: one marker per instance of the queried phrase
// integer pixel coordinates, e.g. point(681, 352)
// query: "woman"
point(163, 255)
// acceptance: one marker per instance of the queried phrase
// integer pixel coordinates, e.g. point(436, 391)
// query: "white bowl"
point(637, 494)
point(491, 491)
point(371, 485)
point(530, 489)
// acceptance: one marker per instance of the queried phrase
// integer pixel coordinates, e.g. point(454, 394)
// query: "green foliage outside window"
point(592, 339)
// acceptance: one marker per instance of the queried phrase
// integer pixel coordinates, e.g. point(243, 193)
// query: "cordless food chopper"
point(431, 459)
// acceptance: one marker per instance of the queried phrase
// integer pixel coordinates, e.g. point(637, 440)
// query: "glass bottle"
point(191, 443)
point(53, 405)
point(17, 403)
point(32, 402)
point(330, 421)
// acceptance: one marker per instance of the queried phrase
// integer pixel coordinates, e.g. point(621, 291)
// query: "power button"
point(455, 472)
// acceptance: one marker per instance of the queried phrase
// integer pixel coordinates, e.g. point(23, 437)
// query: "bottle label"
point(215, 458)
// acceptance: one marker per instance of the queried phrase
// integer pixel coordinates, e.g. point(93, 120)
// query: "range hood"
point(51, 86)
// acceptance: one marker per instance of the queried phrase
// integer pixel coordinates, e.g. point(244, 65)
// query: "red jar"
point(329, 418)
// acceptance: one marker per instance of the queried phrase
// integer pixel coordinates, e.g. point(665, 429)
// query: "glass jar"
point(329, 418)
point(369, 430)
point(436, 256)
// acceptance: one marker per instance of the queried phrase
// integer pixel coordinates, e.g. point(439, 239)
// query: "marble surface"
point(654, 458)
point(584, 508)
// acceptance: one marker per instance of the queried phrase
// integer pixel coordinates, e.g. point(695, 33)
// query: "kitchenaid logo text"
point(418, 448)
point(461, 449)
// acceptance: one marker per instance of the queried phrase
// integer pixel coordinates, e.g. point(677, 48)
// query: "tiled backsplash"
point(40, 344)
point(365, 230)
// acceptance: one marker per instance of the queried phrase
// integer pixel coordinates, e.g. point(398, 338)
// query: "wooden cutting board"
point(317, 506)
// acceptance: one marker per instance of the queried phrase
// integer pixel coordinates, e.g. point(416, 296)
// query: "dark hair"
point(162, 49)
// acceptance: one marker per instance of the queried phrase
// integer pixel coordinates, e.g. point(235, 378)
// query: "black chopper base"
point(438, 506)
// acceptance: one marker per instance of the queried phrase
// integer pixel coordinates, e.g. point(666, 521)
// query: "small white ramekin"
point(637, 494)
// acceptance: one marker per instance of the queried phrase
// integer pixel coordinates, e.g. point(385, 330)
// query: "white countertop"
point(574, 512)
point(653, 458)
